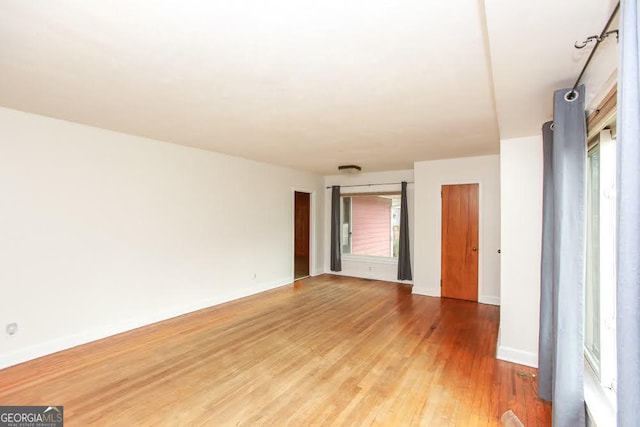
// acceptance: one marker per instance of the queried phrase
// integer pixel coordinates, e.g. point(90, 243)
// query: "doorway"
point(302, 227)
point(460, 241)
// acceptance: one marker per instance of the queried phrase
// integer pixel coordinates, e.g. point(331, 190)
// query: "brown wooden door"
point(460, 241)
point(302, 209)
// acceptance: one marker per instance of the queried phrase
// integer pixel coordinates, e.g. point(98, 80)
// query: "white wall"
point(521, 165)
point(430, 176)
point(101, 232)
point(369, 267)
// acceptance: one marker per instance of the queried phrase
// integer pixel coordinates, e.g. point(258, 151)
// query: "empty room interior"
point(317, 213)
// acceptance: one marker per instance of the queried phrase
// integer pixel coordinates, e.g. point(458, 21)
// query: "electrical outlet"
point(12, 329)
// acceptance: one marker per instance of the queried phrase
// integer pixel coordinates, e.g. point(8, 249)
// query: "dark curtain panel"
point(628, 236)
point(336, 260)
point(547, 332)
point(563, 268)
point(404, 256)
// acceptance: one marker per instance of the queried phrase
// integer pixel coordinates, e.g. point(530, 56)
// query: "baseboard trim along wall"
point(368, 277)
point(489, 300)
point(435, 292)
point(517, 356)
point(429, 292)
point(64, 343)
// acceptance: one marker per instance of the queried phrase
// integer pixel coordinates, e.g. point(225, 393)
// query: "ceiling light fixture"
point(349, 168)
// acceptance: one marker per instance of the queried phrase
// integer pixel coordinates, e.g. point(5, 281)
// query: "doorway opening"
point(302, 229)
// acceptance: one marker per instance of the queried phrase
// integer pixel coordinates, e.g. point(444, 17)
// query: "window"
point(592, 289)
point(599, 315)
point(370, 224)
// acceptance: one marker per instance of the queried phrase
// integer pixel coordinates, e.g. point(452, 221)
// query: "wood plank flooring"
point(327, 350)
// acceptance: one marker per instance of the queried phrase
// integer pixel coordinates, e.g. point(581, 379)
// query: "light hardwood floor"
point(325, 351)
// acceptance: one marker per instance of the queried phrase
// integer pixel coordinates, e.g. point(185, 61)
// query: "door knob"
point(474, 249)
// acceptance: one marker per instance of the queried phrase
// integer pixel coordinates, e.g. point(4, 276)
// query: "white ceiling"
point(533, 54)
point(300, 83)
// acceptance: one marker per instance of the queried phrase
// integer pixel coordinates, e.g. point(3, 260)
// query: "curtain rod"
point(603, 34)
point(370, 185)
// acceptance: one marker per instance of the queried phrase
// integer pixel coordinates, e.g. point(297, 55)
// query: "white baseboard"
point(517, 356)
point(63, 343)
point(435, 292)
point(489, 300)
point(430, 292)
point(371, 277)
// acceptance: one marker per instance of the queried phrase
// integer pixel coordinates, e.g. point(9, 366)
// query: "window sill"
point(371, 259)
point(600, 401)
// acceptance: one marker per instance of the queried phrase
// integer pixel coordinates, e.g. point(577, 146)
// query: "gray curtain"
point(404, 256)
point(628, 236)
point(563, 262)
point(547, 332)
point(336, 260)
